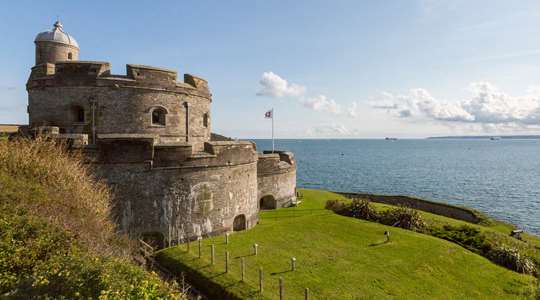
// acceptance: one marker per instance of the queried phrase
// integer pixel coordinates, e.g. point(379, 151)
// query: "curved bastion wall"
point(276, 179)
point(165, 193)
point(148, 137)
point(83, 97)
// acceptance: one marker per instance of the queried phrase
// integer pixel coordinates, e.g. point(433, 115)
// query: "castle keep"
point(149, 137)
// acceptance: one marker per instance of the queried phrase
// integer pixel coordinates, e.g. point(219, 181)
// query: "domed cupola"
point(55, 45)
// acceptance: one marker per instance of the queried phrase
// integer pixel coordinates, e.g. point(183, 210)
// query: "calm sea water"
point(500, 178)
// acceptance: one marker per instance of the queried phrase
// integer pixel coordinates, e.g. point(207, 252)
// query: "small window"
point(78, 114)
point(158, 116)
point(70, 56)
point(205, 120)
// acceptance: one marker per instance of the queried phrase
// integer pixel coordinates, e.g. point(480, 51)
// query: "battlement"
point(148, 75)
point(143, 148)
point(97, 73)
point(270, 163)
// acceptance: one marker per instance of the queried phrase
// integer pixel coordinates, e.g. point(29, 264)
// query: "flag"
point(269, 114)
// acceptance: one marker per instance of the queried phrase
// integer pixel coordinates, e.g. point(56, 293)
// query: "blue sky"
point(329, 68)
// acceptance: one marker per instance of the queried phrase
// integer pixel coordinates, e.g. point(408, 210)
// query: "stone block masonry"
point(149, 137)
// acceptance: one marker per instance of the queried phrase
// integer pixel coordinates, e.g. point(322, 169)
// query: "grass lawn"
point(494, 230)
point(345, 258)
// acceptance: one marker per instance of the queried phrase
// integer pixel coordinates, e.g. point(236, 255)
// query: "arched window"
point(70, 56)
point(205, 120)
point(159, 116)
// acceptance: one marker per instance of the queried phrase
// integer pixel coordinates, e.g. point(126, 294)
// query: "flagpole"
point(272, 130)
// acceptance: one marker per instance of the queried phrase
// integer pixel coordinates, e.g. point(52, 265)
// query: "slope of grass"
point(57, 240)
point(497, 232)
point(344, 258)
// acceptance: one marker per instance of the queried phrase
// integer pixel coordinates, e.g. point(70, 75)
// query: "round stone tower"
point(55, 45)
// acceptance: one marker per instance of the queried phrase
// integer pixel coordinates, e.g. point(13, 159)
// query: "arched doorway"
point(267, 202)
point(239, 223)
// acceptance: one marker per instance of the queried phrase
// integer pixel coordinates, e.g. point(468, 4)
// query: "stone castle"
point(149, 137)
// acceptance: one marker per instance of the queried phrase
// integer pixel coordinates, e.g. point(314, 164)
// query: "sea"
point(498, 177)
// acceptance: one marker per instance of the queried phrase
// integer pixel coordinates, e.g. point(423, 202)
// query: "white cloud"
point(322, 103)
point(275, 86)
point(487, 106)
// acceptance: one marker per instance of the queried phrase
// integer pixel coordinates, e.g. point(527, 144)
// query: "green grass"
point(494, 230)
point(345, 258)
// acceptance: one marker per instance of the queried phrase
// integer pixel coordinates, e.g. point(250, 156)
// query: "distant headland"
point(486, 137)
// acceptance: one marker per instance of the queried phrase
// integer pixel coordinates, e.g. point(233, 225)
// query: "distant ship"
point(390, 139)
point(495, 138)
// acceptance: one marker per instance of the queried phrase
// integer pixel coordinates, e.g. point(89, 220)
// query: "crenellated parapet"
point(83, 97)
point(277, 162)
point(145, 149)
point(98, 74)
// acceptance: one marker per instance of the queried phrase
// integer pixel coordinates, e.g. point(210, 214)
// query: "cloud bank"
point(275, 86)
point(487, 106)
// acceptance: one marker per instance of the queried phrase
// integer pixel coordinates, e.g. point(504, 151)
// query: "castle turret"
point(55, 45)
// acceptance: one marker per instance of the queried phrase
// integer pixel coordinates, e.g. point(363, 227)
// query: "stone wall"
point(51, 52)
point(276, 177)
point(198, 196)
point(114, 104)
point(443, 209)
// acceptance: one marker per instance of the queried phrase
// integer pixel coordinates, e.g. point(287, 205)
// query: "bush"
point(41, 177)
point(465, 236)
point(362, 209)
point(26, 243)
point(336, 206)
point(403, 217)
point(512, 259)
point(79, 275)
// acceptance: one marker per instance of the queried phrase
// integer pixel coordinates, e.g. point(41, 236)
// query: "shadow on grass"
point(247, 255)
point(217, 275)
point(282, 272)
point(379, 243)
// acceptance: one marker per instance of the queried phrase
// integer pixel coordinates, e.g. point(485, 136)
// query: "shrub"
point(26, 243)
point(80, 275)
point(362, 209)
point(512, 259)
point(464, 235)
point(336, 206)
point(41, 177)
point(403, 217)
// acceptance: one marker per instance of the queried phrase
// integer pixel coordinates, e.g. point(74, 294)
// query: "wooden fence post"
point(227, 238)
point(306, 294)
point(255, 249)
point(261, 281)
point(212, 254)
point(281, 290)
point(188, 245)
point(293, 263)
point(200, 246)
point(243, 268)
point(226, 261)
